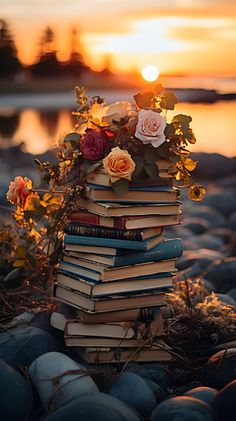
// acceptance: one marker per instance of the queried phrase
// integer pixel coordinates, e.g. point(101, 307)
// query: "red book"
point(126, 222)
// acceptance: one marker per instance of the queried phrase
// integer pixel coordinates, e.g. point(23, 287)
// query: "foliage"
point(123, 141)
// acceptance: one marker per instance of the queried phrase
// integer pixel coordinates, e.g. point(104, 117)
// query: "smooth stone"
point(220, 369)
point(203, 393)
point(232, 293)
point(153, 371)
point(222, 274)
point(96, 407)
point(159, 392)
point(224, 233)
point(213, 165)
point(224, 403)
point(223, 201)
point(15, 396)
point(192, 272)
point(214, 218)
point(226, 299)
point(58, 379)
point(20, 346)
point(135, 392)
point(207, 285)
point(183, 408)
point(209, 241)
point(196, 225)
point(232, 221)
point(191, 257)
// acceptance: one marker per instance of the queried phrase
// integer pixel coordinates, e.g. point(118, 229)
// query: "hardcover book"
point(159, 352)
point(117, 209)
point(76, 228)
point(167, 249)
point(105, 274)
point(111, 303)
point(96, 289)
point(128, 222)
point(113, 242)
point(99, 330)
point(147, 194)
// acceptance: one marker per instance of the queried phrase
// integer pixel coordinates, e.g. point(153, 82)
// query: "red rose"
point(93, 145)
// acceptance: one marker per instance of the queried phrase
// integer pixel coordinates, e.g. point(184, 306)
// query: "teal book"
point(113, 242)
point(167, 249)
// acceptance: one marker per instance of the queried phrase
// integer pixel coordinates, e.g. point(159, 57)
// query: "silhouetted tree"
point(9, 62)
point(75, 65)
point(47, 64)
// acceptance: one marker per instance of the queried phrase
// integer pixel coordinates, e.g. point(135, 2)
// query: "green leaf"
point(164, 150)
point(120, 187)
point(151, 155)
point(151, 170)
point(169, 130)
point(139, 163)
point(168, 101)
point(72, 137)
point(181, 119)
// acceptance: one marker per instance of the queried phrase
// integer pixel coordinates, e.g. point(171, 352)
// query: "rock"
point(155, 371)
point(226, 299)
point(214, 218)
point(224, 233)
point(232, 293)
point(96, 407)
point(196, 225)
point(224, 403)
point(209, 241)
point(194, 271)
point(191, 257)
point(203, 393)
point(159, 392)
point(222, 201)
point(232, 221)
point(213, 165)
point(58, 379)
point(15, 396)
point(220, 369)
point(20, 346)
point(222, 274)
point(183, 408)
point(135, 392)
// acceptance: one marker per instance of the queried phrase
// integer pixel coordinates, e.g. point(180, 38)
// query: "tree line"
point(46, 64)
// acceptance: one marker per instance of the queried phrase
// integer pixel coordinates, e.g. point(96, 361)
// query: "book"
point(167, 249)
point(117, 209)
point(105, 274)
point(128, 222)
point(113, 242)
point(147, 194)
point(76, 228)
point(111, 303)
point(82, 341)
point(99, 330)
point(159, 352)
point(132, 314)
point(94, 289)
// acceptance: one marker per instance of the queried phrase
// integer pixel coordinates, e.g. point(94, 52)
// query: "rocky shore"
point(48, 382)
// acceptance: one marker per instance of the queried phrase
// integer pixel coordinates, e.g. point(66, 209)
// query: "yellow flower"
point(119, 164)
point(196, 192)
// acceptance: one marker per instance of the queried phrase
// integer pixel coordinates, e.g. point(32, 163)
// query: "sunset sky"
point(177, 36)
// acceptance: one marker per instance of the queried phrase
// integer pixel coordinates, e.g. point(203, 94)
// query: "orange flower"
point(119, 164)
point(19, 190)
point(196, 192)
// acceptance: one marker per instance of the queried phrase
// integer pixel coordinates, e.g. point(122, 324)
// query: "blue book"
point(167, 249)
point(139, 194)
point(112, 242)
point(95, 288)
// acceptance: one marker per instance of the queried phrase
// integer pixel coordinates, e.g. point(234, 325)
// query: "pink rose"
point(93, 145)
point(150, 128)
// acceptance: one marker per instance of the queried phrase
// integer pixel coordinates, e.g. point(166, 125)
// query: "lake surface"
point(40, 124)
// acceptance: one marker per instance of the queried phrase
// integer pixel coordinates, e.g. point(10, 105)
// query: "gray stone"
point(232, 293)
point(214, 218)
point(222, 201)
point(205, 394)
point(196, 225)
point(222, 274)
point(96, 407)
point(183, 408)
point(220, 368)
point(15, 396)
point(20, 346)
point(59, 379)
point(224, 403)
point(232, 221)
point(135, 392)
point(209, 241)
point(156, 372)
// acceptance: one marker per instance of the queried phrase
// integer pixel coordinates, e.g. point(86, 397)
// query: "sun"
point(150, 73)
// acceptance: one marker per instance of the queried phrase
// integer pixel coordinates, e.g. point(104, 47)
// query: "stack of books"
point(115, 270)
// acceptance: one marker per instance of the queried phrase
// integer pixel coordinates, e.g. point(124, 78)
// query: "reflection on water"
point(214, 126)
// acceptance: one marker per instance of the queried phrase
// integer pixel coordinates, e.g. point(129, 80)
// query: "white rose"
point(111, 112)
point(150, 128)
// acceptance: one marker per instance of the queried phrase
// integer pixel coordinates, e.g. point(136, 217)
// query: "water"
point(41, 120)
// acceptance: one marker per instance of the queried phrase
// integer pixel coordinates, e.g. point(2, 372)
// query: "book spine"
point(90, 231)
point(105, 242)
